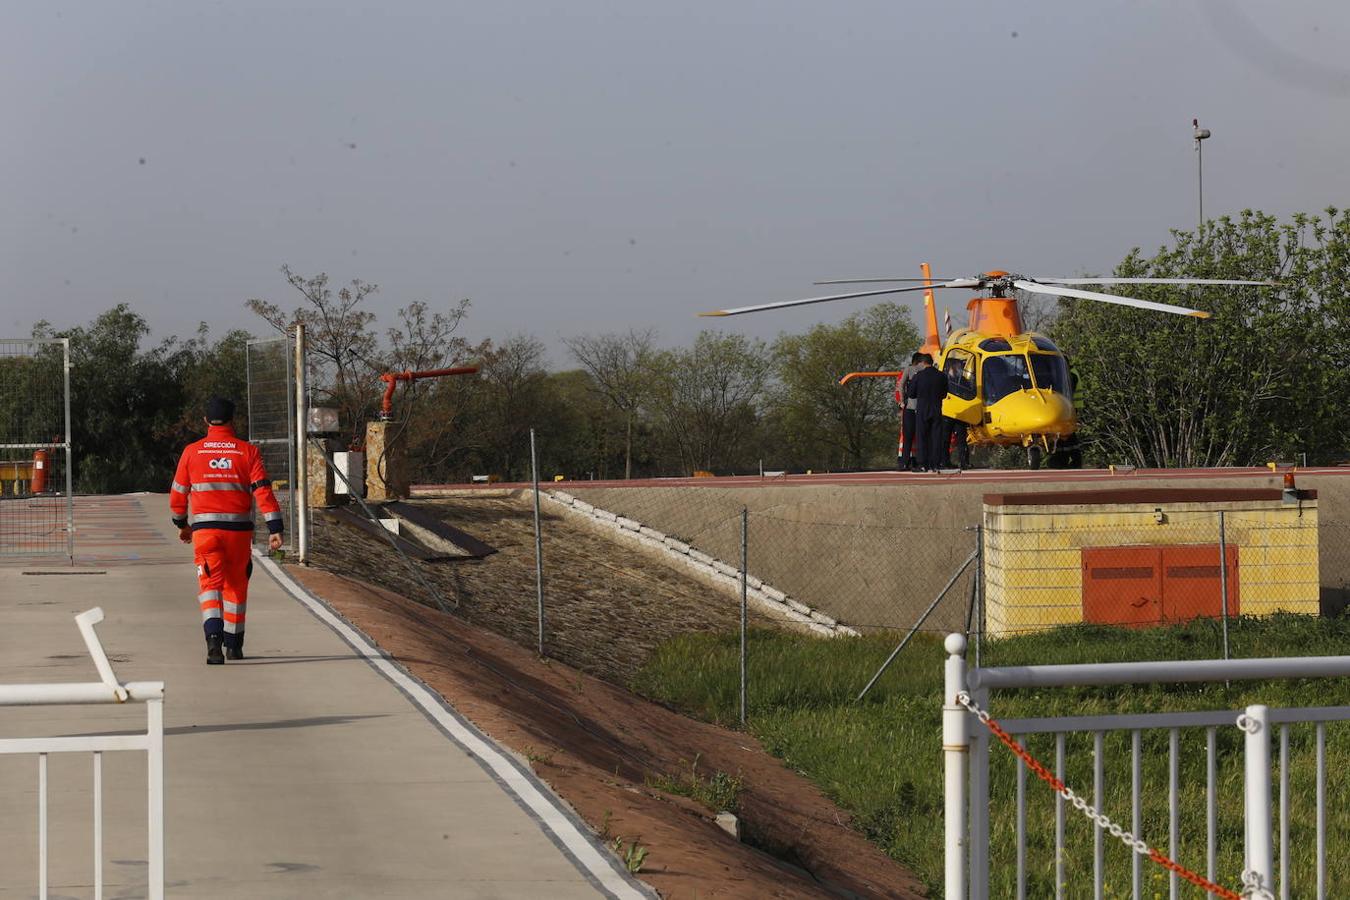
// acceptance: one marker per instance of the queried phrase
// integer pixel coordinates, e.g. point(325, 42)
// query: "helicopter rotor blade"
point(786, 303)
point(1035, 287)
point(1220, 281)
point(875, 280)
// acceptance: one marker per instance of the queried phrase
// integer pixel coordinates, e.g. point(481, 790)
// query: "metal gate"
point(37, 513)
point(271, 419)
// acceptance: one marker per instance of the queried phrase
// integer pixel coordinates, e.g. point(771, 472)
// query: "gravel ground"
point(607, 607)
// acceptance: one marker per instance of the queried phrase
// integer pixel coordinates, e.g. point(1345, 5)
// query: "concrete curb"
point(719, 573)
point(553, 815)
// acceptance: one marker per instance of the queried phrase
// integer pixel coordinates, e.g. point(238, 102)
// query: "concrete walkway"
point(301, 772)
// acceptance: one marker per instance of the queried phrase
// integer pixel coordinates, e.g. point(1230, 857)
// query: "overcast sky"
point(594, 166)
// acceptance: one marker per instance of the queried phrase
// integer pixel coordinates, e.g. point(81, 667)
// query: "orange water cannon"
point(391, 380)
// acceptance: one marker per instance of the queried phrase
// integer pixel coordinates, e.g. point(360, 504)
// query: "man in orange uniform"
point(220, 476)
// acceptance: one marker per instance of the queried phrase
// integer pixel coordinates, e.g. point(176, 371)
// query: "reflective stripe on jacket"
point(219, 477)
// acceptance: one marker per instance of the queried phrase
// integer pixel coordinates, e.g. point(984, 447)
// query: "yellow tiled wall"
point(1033, 554)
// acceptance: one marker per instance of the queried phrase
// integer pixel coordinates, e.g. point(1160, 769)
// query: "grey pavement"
point(301, 772)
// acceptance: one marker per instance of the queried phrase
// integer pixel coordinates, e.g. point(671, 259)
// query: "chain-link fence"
point(1071, 570)
point(626, 569)
point(36, 506)
point(271, 420)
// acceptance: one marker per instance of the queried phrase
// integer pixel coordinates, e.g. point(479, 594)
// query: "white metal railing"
point(106, 690)
point(966, 753)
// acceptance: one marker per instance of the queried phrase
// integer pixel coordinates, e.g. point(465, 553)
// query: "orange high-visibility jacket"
point(221, 475)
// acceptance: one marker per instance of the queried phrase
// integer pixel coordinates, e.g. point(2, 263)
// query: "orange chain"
point(1060, 788)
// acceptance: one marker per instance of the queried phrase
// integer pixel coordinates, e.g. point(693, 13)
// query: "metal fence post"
point(538, 542)
point(745, 552)
point(70, 459)
point(956, 758)
point(979, 593)
point(155, 811)
point(300, 477)
point(1223, 579)
point(1257, 845)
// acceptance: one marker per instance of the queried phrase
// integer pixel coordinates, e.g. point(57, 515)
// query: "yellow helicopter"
point(1009, 386)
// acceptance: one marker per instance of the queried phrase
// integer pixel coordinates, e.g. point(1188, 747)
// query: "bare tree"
point(340, 335)
point(620, 366)
point(345, 349)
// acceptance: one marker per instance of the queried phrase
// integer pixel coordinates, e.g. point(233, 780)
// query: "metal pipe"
point(98, 826)
point(1223, 579)
point(1321, 811)
point(42, 826)
point(86, 621)
point(979, 594)
point(538, 542)
point(75, 693)
point(391, 380)
point(1169, 672)
point(1174, 808)
point(919, 624)
point(300, 488)
point(745, 563)
point(1211, 803)
point(979, 808)
point(1256, 789)
point(1099, 801)
point(154, 710)
point(956, 759)
point(1059, 818)
point(1021, 830)
point(70, 461)
point(1284, 812)
point(1136, 812)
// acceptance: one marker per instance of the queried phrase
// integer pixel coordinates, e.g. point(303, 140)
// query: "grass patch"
point(882, 759)
point(718, 791)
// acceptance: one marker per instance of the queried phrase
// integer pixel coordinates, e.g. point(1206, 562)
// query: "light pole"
point(1200, 134)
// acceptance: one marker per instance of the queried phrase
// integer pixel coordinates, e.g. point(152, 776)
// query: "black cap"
point(219, 409)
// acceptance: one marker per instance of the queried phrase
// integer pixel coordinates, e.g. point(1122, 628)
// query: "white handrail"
point(78, 692)
point(86, 621)
point(1167, 672)
point(107, 690)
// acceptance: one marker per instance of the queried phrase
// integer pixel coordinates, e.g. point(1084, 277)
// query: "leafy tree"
point(124, 404)
point(619, 366)
point(707, 399)
point(848, 424)
point(1247, 384)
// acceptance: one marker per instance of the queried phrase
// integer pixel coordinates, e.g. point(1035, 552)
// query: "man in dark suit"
point(928, 387)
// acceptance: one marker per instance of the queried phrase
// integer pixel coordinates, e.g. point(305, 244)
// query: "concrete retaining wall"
point(709, 570)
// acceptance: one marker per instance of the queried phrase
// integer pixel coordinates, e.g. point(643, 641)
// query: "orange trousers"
point(224, 561)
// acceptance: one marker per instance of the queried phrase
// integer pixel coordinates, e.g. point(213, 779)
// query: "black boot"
point(234, 649)
point(214, 656)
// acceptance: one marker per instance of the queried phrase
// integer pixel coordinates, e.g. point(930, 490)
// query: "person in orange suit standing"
point(217, 480)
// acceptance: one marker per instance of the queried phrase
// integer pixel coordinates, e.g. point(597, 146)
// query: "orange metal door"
point(1191, 586)
point(1122, 586)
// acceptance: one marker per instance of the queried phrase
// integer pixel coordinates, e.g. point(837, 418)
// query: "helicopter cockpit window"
point(1003, 375)
point(960, 370)
point(1044, 343)
point(994, 345)
point(1052, 373)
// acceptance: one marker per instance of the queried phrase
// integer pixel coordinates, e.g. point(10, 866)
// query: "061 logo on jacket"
point(221, 463)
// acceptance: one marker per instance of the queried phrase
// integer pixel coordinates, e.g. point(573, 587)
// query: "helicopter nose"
point(1033, 412)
